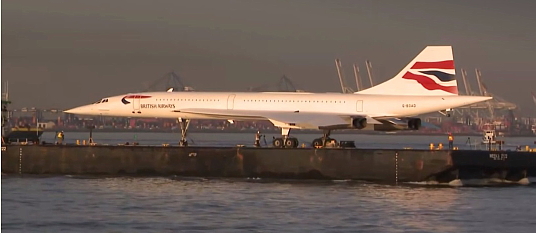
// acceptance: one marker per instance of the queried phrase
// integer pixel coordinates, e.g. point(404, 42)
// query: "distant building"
point(46, 125)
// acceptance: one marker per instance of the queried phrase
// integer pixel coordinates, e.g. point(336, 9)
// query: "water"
point(67, 204)
point(178, 204)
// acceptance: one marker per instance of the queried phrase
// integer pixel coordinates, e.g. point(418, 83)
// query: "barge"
point(376, 165)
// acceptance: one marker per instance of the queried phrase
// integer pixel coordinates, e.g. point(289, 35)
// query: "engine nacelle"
point(414, 123)
point(359, 123)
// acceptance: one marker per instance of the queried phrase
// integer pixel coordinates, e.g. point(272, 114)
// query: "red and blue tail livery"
point(434, 75)
point(431, 73)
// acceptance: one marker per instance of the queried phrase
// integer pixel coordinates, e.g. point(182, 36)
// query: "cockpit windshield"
point(101, 101)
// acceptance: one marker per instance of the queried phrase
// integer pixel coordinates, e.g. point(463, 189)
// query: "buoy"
point(77, 142)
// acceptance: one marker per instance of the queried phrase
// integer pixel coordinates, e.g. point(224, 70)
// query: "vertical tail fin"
point(431, 73)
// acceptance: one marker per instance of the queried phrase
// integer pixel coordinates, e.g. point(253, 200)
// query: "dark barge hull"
point(23, 135)
point(378, 165)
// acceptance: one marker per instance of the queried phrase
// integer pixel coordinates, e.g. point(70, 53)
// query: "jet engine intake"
point(359, 123)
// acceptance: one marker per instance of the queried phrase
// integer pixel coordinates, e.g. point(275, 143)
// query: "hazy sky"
point(67, 53)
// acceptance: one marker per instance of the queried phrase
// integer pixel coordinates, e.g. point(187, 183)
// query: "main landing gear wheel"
point(285, 140)
point(318, 143)
point(291, 143)
point(325, 140)
point(331, 142)
point(288, 143)
point(278, 142)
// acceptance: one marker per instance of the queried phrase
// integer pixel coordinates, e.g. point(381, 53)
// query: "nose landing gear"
point(184, 123)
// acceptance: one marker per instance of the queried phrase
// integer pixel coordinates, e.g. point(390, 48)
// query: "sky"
point(61, 54)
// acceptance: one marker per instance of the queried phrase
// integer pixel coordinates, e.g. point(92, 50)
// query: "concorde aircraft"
point(426, 84)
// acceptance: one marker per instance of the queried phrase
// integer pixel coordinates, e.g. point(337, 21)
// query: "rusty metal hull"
point(378, 165)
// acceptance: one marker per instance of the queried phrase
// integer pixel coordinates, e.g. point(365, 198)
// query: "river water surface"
point(180, 204)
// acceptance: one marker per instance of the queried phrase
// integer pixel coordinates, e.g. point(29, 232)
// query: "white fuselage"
point(168, 104)
point(426, 84)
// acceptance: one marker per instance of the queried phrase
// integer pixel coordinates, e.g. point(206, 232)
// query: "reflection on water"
point(170, 204)
point(421, 208)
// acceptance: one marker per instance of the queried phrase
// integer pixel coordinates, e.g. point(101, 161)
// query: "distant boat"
point(18, 134)
point(23, 134)
point(489, 137)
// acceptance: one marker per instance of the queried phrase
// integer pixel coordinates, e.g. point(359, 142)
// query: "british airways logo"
point(125, 101)
point(433, 69)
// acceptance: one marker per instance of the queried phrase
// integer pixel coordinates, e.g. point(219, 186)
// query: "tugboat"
point(23, 134)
